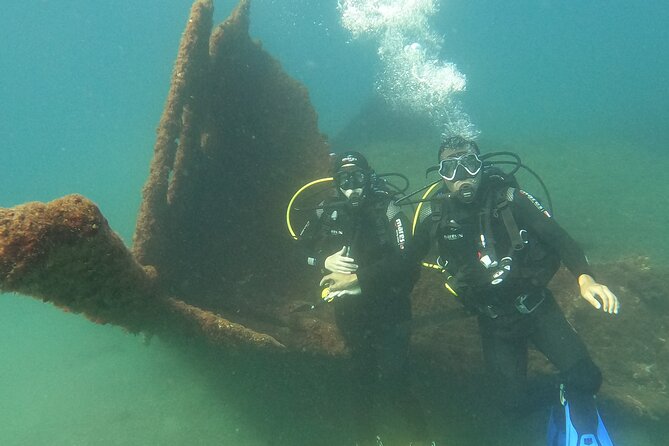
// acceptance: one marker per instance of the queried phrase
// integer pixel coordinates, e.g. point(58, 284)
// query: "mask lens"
point(472, 163)
point(351, 179)
point(447, 168)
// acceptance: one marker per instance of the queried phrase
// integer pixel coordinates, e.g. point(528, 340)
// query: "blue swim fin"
point(578, 436)
point(580, 425)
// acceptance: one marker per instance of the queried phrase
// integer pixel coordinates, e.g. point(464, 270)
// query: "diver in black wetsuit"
point(501, 248)
point(358, 239)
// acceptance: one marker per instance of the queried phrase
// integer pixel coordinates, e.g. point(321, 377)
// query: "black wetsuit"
point(374, 324)
point(508, 321)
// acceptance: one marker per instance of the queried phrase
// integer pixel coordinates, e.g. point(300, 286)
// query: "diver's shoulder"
point(530, 201)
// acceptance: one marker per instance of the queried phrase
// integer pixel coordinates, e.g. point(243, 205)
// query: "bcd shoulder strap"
point(504, 209)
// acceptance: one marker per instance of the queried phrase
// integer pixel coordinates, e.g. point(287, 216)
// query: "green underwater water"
point(66, 381)
point(577, 89)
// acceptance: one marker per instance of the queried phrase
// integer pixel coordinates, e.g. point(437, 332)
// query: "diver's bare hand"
point(339, 262)
point(595, 292)
point(340, 281)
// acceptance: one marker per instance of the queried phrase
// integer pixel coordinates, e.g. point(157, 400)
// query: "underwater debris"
point(207, 215)
point(173, 131)
point(64, 252)
point(237, 137)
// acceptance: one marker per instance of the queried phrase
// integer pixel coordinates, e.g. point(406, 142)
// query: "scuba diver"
point(358, 238)
point(500, 248)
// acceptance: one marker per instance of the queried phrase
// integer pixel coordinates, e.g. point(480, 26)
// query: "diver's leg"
point(354, 327)
point(581, 378)
point(394, 376)
point(505, 355)
point(559, 342)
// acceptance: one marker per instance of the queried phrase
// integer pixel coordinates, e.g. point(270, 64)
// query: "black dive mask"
point(351, 179)
point(461, 167)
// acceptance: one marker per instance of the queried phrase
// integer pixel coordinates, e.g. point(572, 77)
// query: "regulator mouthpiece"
point(466, 193)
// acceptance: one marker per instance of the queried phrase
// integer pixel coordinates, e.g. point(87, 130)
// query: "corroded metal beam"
point(64, 252)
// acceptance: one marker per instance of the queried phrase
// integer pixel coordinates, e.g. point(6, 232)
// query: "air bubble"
point(413, 76)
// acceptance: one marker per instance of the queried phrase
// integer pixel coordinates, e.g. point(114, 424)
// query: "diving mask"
point(470, 162)
point(351, 179)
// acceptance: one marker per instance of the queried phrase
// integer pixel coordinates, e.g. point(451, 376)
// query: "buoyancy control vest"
point(447, 228)
point(363, 230)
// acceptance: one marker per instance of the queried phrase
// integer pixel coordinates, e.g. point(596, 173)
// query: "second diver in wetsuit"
point(359, 239)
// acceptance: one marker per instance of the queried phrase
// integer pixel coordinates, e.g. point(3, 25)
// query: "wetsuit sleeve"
point(395, 269)
point(311, 241)
point(551, 233)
